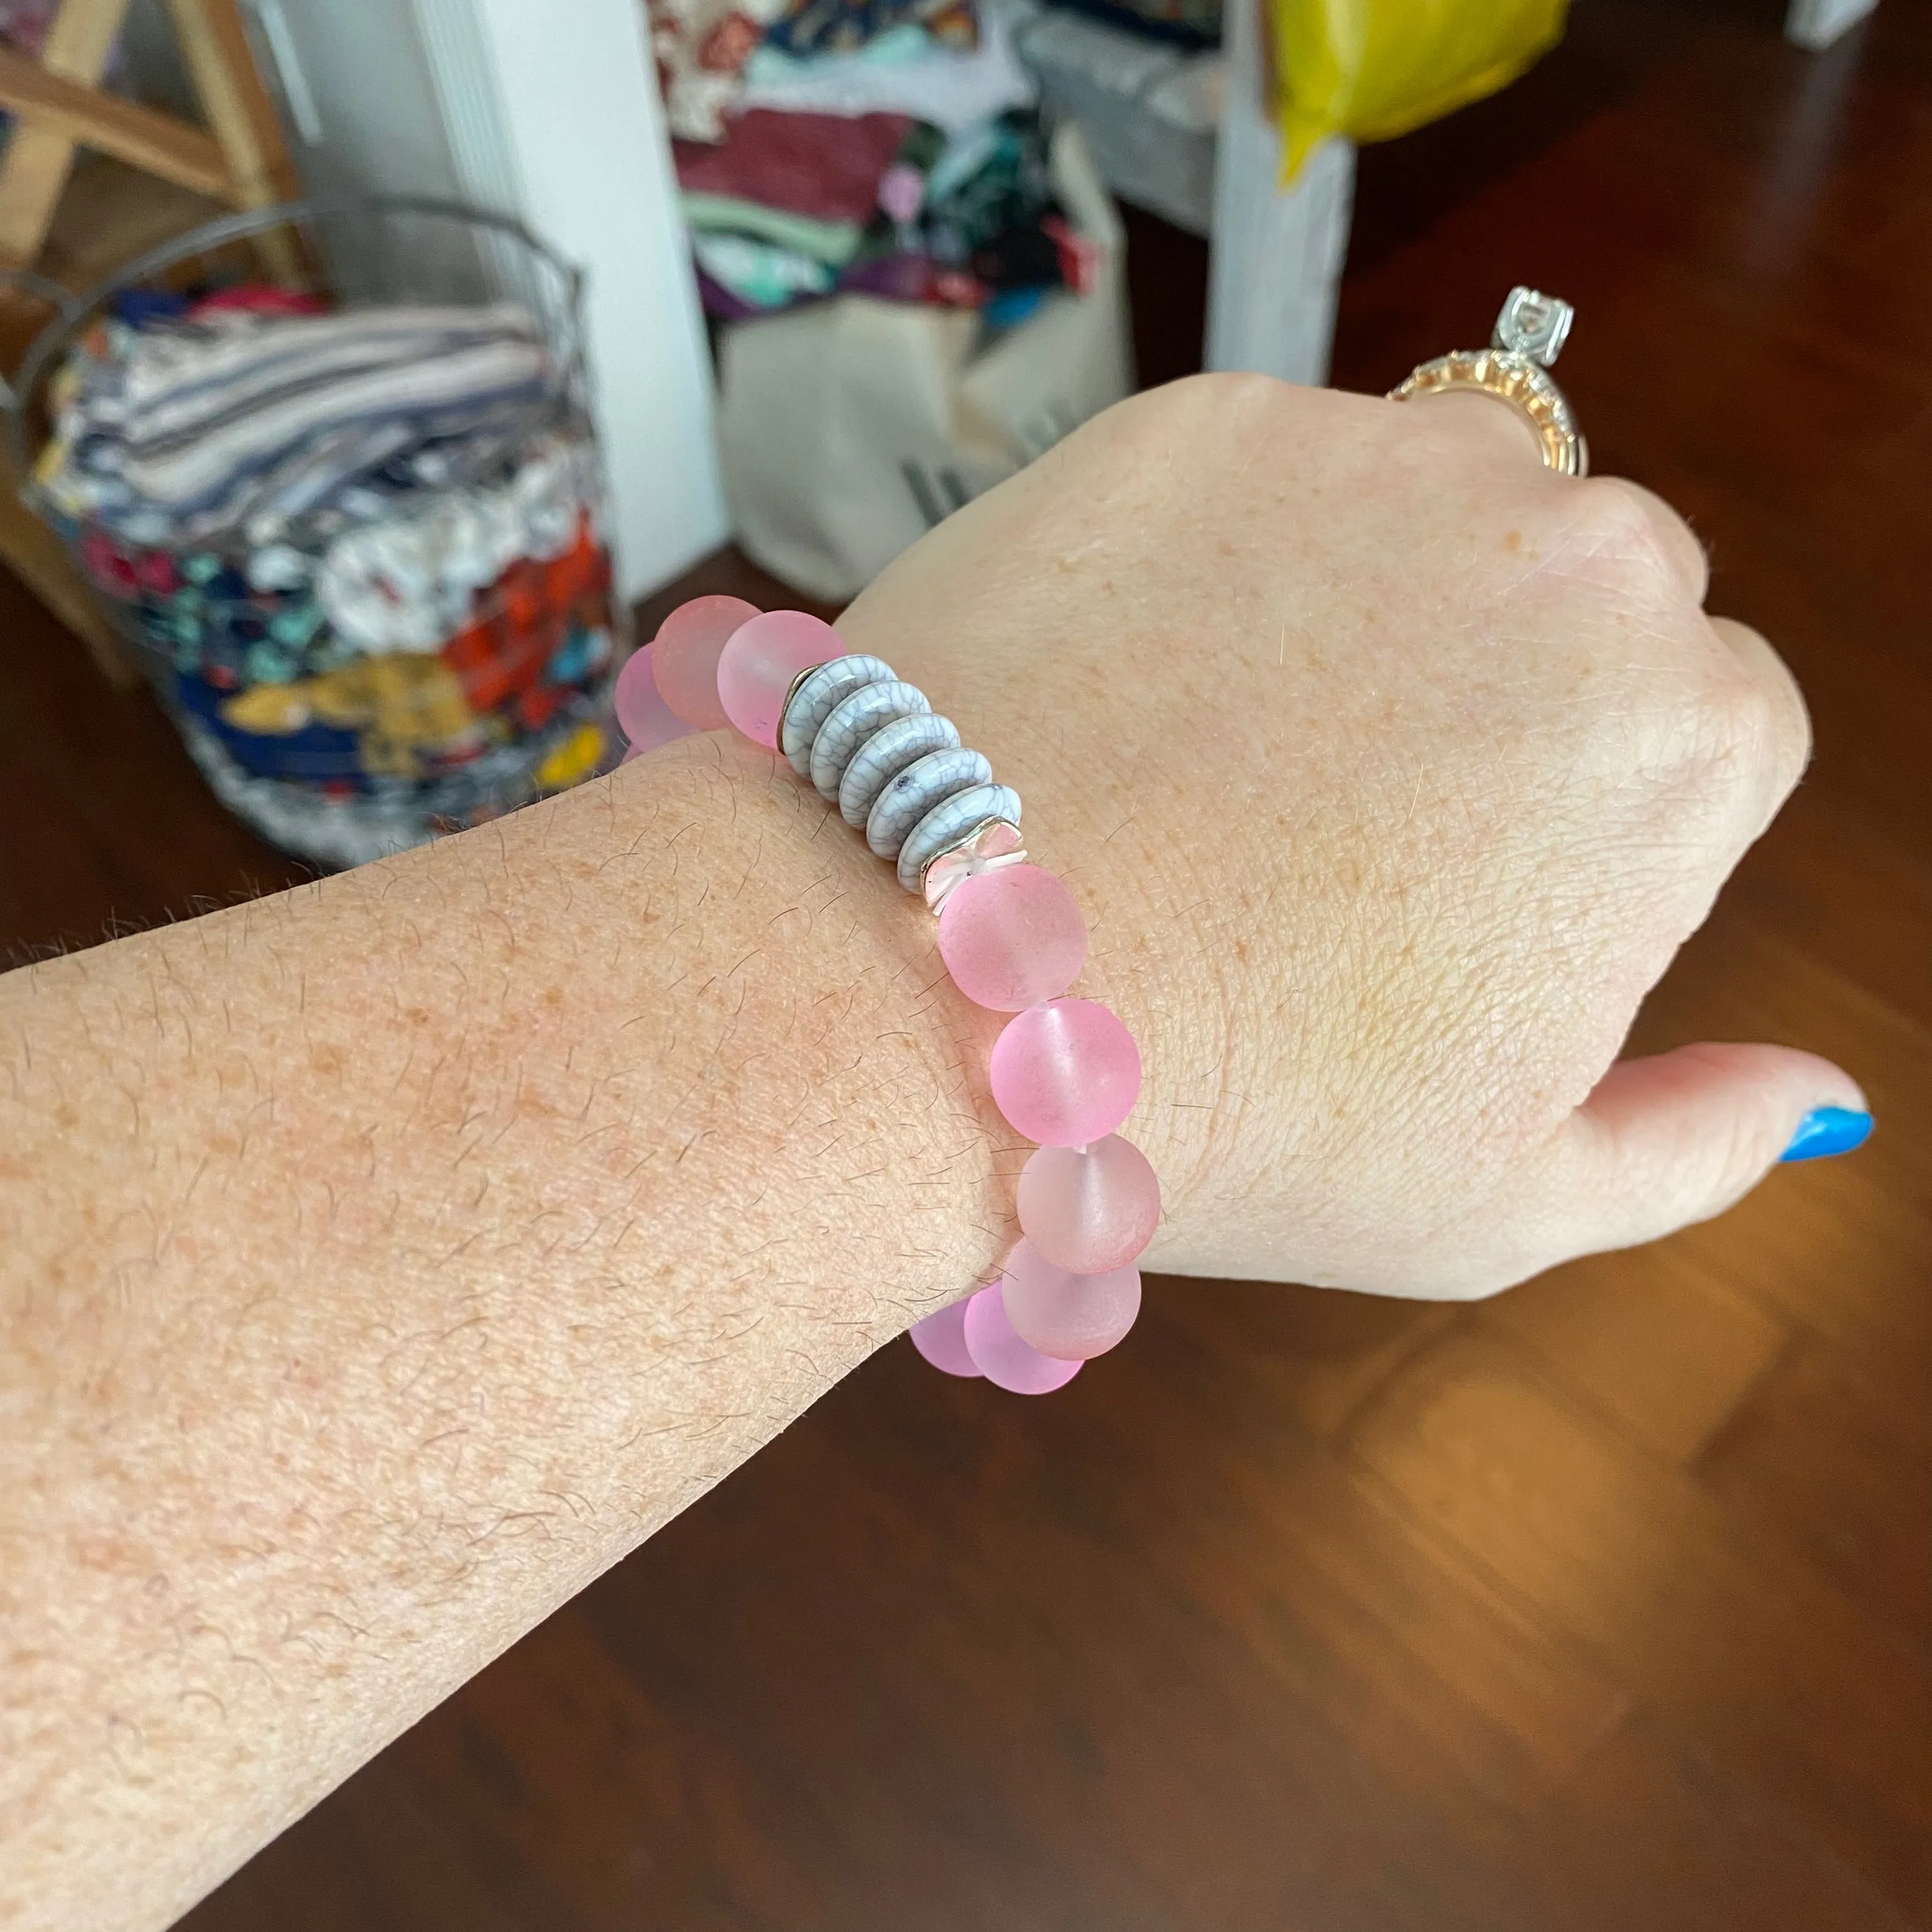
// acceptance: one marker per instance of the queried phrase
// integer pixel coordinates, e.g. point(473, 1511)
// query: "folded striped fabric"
point(184, 471)
point(179, 429)
point(178, 376)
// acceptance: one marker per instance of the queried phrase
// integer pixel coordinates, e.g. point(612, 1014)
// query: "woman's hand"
point(1392, 770)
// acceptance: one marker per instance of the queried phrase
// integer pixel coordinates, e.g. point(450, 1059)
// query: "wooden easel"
point(239, 160)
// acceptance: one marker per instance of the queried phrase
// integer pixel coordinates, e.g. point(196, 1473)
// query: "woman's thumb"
point(1678, 1137)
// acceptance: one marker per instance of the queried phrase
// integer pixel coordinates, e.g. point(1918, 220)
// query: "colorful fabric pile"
point(888, 148)
point(360, 552)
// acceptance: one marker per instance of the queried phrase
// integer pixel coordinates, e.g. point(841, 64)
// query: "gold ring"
point(1529, 336)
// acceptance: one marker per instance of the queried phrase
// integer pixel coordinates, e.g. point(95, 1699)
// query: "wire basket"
point(402, 624)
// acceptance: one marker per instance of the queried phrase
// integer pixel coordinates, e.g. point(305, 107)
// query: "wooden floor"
point(1607, 1605)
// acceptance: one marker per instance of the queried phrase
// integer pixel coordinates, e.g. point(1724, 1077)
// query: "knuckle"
point(1740, 715)
point(1771, 714)
point(1616, 525)
point(1243, 391)
point(1761, 730)
point(1237, 395)
point(1459, 433)
point(1732, 750)
point(1212, 417)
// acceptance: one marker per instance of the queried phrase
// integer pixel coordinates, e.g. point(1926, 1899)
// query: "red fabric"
point(583, 570)
point(1079, 255)
point(538, 706)
point(125, 573)
point(260, 298)
point(825, 167)
point(520, 622)
point(493, 662)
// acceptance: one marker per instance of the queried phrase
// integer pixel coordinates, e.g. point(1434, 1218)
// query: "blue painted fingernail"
point(1829, 1130)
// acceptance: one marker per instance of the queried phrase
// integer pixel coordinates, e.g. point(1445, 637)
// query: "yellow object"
point(269, 710)
point(1373, 69)
point(575, 758)
point(403, 706)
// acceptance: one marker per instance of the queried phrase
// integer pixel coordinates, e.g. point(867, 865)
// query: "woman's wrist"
point(1064, 1071)
point(1171, 955)
point(828, 1076)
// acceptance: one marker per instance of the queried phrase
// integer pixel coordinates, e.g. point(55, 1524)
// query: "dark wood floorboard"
point(1605, 1605)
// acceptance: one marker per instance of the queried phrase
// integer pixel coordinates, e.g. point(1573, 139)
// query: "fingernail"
point(1829, 1130)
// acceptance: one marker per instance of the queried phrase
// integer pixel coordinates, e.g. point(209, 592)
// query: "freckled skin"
point(381, 1262)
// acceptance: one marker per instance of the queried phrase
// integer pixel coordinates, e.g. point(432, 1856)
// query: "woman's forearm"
point(382, 1261)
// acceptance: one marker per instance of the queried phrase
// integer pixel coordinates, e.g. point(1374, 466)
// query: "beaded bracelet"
point(1064, 1072)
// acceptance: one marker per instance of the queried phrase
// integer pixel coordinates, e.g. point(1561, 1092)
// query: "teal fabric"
point(834, 243)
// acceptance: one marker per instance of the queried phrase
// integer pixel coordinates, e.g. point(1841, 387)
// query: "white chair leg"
point(1275, 266)
point(1816, 24)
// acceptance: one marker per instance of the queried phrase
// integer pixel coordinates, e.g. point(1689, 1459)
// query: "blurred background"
point(1605, 1603)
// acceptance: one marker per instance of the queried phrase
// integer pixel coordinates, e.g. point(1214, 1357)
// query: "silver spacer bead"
point(991, 845)
point(947, 823)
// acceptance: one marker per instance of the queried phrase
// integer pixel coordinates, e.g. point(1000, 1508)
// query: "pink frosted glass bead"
point(1071, 1317)
point(1012, 938)
point(645, 719)
point(941, 1339)
point(685, 654)
point(1089, 1210)
point(759, 663)
point(1065, 1073)
point(1006, 1360)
